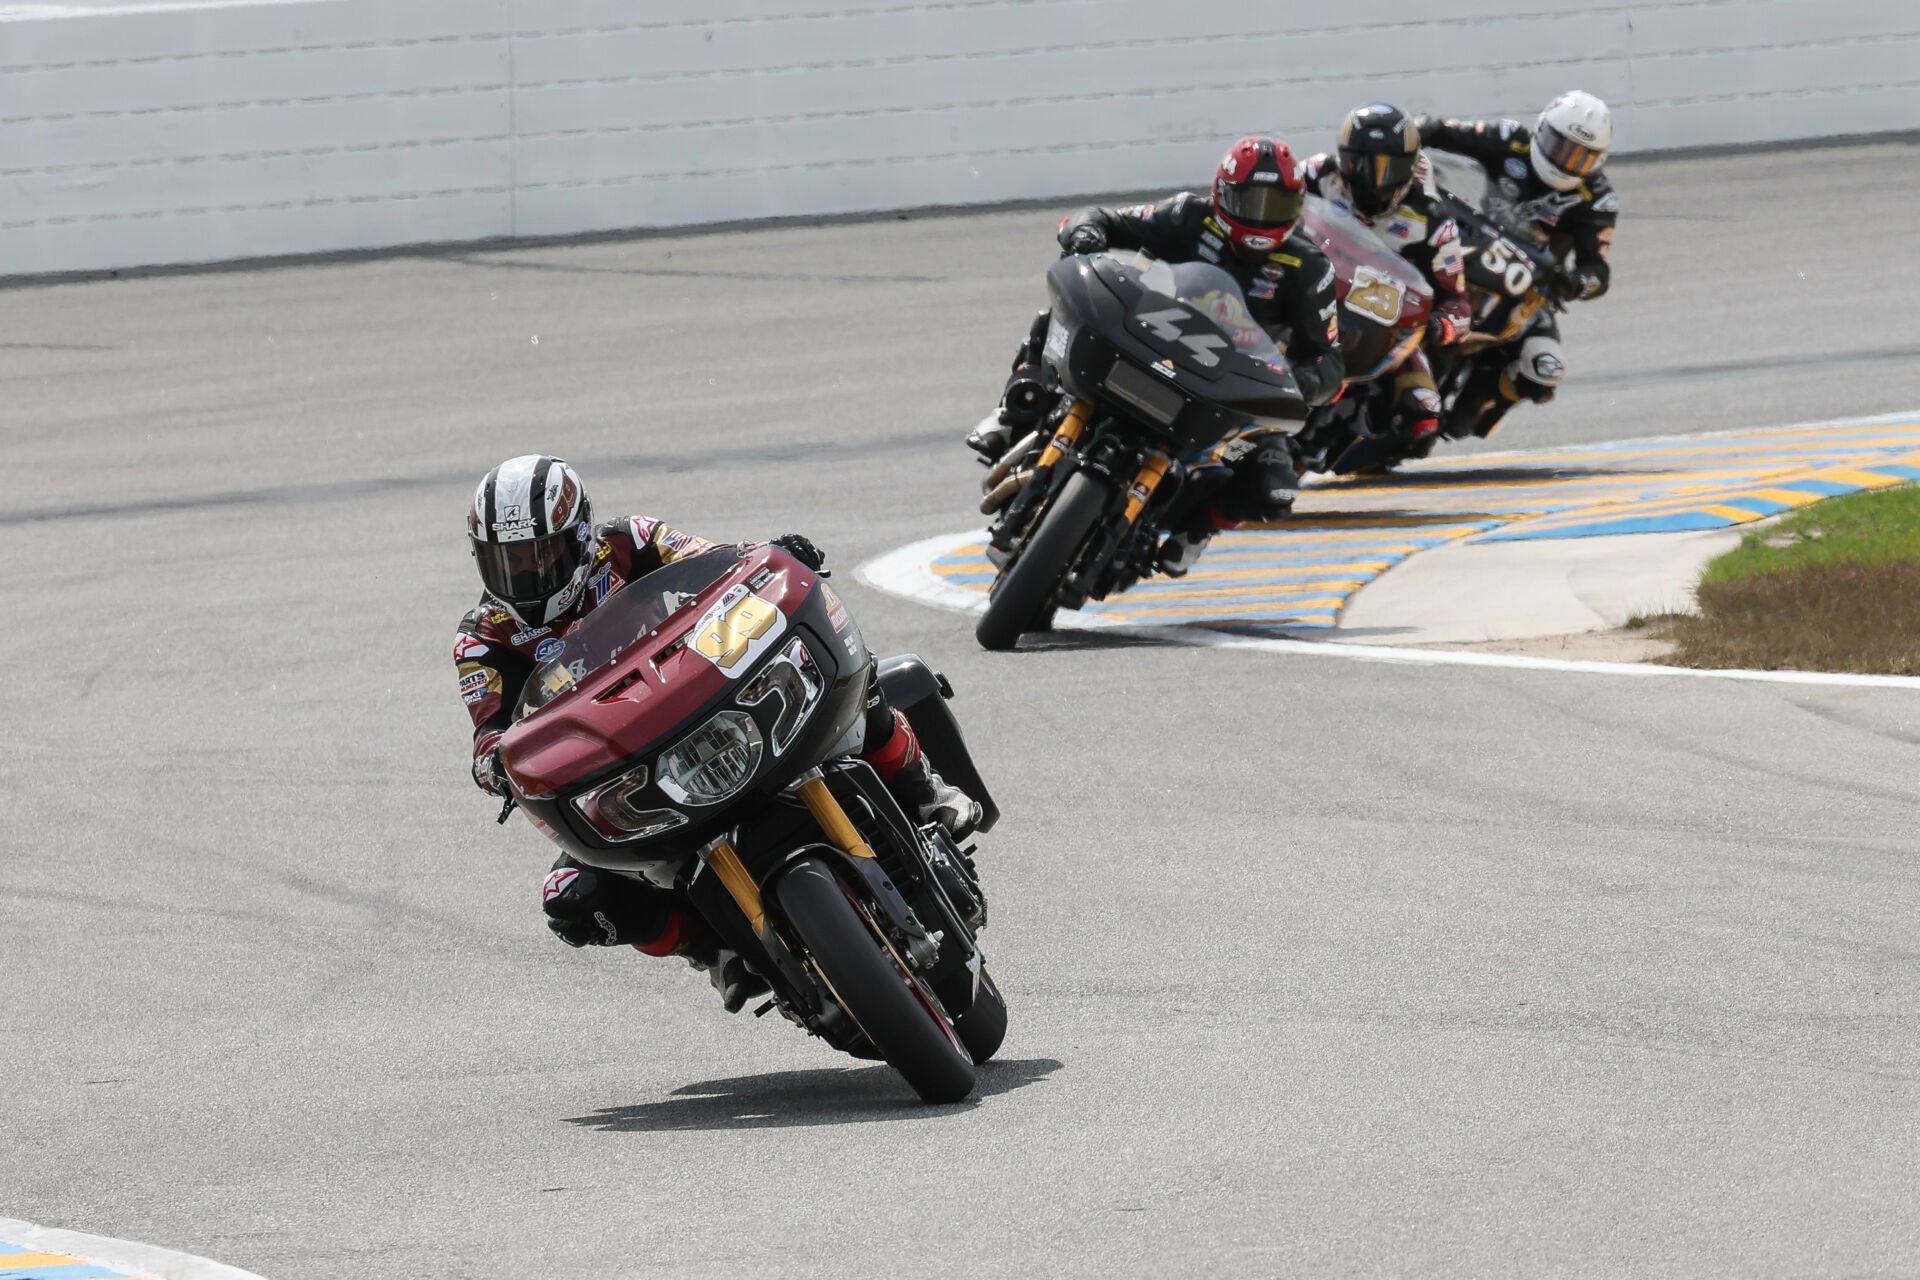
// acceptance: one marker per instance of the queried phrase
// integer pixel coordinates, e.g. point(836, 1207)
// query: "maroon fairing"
point(1372, 347)
point(660, 687)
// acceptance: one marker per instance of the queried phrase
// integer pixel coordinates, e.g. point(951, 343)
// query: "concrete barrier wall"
point(152, 131)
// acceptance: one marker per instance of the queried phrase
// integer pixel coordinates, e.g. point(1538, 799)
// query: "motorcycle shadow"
point(783, 1099)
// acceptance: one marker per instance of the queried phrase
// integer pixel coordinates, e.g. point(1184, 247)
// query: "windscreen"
point(1214, 294)
point(637, 608)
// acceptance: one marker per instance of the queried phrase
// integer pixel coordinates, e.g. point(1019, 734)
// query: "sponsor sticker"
point(836, 610)
point(466, 646)
point(642, 529)
point(557, 882)
point(1516, 166)
point(521, 637)
point(548, 648)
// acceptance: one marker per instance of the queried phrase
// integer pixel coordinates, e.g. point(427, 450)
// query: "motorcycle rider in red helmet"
point(546, 565)
point(1245, 227)
point(1379, 175)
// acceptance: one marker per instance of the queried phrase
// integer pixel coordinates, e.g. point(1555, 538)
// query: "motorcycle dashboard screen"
point(630, 613)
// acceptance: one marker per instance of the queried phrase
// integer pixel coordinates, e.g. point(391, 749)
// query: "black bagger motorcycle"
point(1510, 273)
point(1156, 363)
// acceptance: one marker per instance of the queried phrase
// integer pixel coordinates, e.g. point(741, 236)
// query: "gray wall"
point(134, 132)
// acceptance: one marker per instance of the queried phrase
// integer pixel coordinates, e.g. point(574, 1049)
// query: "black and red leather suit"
point(494, 654)
point(1578, 223)
point(1289, 293)
point(1419, 230)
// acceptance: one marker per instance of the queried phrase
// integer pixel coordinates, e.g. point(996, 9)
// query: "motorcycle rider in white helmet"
point(1550, 176)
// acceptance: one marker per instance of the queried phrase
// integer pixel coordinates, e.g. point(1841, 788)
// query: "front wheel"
point(1026, 588)
point(983, 1026)
point(899, 1016)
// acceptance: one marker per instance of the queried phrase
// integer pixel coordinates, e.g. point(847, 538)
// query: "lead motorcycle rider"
point(1379, 175)
point(1245, 227)
point(546, 565)
point(1549, 177)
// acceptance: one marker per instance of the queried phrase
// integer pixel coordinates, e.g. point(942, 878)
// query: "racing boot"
point(732, 977)
point(1184, 547)
point(1181, 551)
point(918, 786)
point(1024, 401)
point(1481, 404)
point(588, 908)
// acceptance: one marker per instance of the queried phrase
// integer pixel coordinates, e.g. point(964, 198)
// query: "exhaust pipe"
point(1000, 470)
point(1002, 493)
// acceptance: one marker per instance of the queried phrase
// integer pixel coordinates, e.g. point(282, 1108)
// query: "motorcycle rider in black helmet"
point(1550, 177)
point(1379, 175)
point(545, 565)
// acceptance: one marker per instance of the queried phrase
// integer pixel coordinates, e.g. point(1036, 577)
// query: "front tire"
point(898, 1015)
point(984, 1026)
point(1026, 588)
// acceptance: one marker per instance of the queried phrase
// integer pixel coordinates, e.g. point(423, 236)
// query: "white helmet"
point(1570, 140)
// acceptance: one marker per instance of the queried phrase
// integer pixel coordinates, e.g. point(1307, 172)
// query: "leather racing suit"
point(1289, 293)
point(1577, 224)
point(1419, 230)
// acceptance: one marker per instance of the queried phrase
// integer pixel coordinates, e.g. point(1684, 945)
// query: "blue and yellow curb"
point(1297, 575)
point(22, 1262)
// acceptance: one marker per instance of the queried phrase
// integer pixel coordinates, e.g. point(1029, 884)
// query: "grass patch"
point(1833, 587)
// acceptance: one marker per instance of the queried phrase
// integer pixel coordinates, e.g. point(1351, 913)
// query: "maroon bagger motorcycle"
point(699, 731)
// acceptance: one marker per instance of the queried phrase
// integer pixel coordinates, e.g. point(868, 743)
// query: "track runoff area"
point(1294, 577)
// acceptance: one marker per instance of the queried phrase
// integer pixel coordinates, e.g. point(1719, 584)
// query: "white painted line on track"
point(908, 572)
point(149, 1262)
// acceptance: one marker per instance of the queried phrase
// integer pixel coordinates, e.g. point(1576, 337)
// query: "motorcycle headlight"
point(714, 761)
point(796, 682)
point(612, 810)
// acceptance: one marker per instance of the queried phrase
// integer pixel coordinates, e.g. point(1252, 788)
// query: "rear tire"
point(895, 1014)
point(984, 1026)
point(1026, 589)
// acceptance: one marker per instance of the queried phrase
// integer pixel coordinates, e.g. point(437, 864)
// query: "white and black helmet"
point(1570, 140)
point(531, 528)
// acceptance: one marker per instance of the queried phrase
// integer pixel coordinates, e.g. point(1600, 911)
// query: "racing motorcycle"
point(1384, 304)
point(699, 730)
point(1156, 364)
point(1511, 273)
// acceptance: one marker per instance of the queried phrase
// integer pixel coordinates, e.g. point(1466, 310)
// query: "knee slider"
point(1538, 369)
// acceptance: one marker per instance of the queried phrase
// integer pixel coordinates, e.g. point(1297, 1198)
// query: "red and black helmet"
point(1258, 193)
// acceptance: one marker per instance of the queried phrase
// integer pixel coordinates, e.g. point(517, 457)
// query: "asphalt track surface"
point(1316, 967)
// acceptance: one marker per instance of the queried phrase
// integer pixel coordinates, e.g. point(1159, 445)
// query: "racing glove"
point(1573, 286)
point(1085, 238)
point(802, 550)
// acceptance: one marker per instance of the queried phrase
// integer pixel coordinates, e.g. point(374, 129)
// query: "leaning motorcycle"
point(699, 731)
point(1384, 303)
point(1511, 275)
point(1156, 363)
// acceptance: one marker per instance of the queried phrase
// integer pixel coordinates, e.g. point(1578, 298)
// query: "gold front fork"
point(832, 818)
point(1151, 474)
point(733, 873)
point(1067, 436)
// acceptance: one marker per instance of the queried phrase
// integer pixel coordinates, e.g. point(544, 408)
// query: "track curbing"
point(34, 1252)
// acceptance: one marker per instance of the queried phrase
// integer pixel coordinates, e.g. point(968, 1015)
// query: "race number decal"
point(739, 626)
point(1376, 296)
point(1510, 265)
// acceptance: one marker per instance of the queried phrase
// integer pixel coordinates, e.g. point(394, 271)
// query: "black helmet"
point(530, 528)
point(1378, 148)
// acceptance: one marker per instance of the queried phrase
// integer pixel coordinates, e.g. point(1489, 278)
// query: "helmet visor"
point(529, 572)
point(1259, 204)
point(1568, 156)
